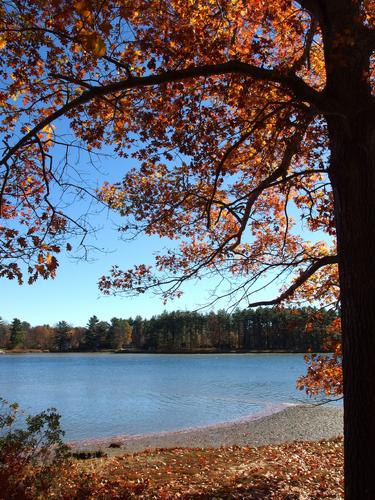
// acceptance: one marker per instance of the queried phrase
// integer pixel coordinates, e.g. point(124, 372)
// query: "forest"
point(263, 329)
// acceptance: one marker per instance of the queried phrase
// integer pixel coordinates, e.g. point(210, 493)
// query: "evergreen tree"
point(62, 337)
point(102, 335)
point(138, 336)
point(91, 338)
point(17, 334)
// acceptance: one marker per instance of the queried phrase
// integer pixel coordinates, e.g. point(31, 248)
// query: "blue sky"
point(74, 296)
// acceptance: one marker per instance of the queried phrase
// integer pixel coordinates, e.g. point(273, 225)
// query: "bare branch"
point(303, 277)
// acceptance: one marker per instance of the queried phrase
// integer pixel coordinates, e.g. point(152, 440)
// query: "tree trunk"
point(352, 173)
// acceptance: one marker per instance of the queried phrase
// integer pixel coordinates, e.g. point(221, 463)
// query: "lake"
point(101, 395)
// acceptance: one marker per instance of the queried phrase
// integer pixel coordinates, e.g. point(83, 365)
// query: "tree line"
point(294, 330)
point(63, 337)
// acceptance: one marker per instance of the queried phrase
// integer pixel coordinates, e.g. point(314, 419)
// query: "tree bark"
point(352, 173)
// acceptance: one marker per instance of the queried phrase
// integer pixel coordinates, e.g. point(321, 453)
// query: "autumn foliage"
point(245, 118)
point(296, 470)
point(34, 463)
point(324, 373)
point(225, 151)
point(31, 448)
point(219, 104)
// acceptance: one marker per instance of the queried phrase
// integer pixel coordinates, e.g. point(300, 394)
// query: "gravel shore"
point(302, 423)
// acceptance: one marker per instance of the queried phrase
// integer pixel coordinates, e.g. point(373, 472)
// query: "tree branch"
point(303, 277)
point(281, 171)
point(289, 81)
point(245, 135)
point(313, 7)
point(305, 57)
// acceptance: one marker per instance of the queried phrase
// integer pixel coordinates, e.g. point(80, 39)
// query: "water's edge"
point(103, 396)
point(270, 409)
point(276, 425)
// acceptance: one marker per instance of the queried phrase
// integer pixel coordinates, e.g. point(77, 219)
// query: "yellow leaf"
point(93, 43)
point(80, 6)
point(99, 48)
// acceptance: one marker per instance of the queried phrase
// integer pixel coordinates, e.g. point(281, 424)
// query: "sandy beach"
point(300, 422)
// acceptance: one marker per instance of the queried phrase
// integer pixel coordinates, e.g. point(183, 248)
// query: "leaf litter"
point(292, 471)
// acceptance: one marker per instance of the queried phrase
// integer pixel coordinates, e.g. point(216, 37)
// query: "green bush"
point(27, 441)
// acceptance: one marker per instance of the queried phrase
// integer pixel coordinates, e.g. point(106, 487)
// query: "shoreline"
point(274, 425)
point(125, 351)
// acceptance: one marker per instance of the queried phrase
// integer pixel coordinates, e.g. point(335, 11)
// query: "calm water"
point(108, 394)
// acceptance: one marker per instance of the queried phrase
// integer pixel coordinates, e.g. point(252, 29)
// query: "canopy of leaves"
point(224, 105)
point(223, 102)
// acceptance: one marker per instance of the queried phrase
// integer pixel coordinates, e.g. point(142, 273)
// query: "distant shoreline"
point(144, 351)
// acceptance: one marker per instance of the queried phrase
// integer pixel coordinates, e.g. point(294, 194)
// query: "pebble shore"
point(301, 423)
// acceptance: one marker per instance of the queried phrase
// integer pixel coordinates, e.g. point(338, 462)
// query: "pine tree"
point(17, 334)
point(62, 337)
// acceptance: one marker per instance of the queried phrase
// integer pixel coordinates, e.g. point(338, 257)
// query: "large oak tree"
point(238, 112)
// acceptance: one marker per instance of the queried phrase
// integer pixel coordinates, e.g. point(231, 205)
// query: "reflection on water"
point(108, 394)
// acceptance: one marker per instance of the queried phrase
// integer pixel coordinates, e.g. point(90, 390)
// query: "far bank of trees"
point(294, 330)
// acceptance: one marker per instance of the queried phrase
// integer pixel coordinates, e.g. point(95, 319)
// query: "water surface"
point(102, 395)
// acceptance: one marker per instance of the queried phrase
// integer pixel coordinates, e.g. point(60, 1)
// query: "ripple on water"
point(105, 395)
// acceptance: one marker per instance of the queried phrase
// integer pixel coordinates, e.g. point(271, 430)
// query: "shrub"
point(26, 442)
point(87, 455)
